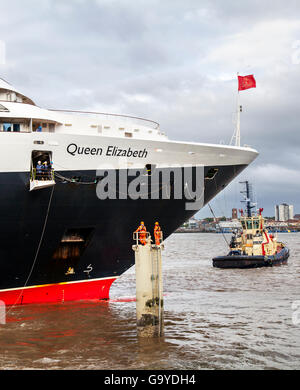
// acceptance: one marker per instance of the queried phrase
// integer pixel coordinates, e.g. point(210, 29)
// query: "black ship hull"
point(41, 261)
point(244, 261)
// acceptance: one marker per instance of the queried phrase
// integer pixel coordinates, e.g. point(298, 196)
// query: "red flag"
point(246, 82)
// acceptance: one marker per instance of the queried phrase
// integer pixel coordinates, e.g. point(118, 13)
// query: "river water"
point(214, 319)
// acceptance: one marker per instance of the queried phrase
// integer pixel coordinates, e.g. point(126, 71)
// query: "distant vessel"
point(253, 246)
point(59, 240)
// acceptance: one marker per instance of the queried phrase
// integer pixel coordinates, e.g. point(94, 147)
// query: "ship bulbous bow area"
point(87, 239)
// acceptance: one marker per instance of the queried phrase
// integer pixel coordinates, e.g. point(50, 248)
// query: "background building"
point(291, 211)
point(228, 226)
point(193, 223)
point(284, 212)
point(234, 214)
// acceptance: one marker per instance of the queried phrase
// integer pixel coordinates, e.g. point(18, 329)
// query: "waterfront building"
point(284, 212)
point(234, 214)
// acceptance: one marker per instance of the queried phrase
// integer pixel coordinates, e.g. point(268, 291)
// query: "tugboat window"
point(244, 225)
point(249, 224)
point(256, 224)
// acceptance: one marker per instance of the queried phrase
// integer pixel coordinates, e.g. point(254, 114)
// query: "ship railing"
point(144, 237)
point(132, 119)
point(42, 175)
point(141, 237)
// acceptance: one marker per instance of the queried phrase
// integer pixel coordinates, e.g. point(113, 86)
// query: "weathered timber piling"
point(149, 289)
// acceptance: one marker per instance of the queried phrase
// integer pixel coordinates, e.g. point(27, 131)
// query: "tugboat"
point(252, 246)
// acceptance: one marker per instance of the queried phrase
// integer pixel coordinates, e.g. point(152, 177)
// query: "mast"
point(247, 200)
point(237, 132)
point(238, 122)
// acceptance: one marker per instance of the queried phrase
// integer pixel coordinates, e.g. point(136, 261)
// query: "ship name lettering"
point(111, 151)
point(114, 151)
point(75, 149)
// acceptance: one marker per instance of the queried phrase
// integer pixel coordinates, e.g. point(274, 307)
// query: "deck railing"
point(42, 174)
point(138, 120)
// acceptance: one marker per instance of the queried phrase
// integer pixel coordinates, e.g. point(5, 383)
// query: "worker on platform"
point(157, 233)
point(39, 169)
point(45, 170)
point(141, 231)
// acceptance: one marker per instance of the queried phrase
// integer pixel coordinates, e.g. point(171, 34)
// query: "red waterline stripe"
point(60, 292)
point(123, 299)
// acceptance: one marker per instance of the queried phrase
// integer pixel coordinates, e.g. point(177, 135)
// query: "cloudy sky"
point(173, 61)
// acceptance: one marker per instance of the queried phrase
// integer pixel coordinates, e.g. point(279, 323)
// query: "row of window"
point(251, 224)
point(17, 127)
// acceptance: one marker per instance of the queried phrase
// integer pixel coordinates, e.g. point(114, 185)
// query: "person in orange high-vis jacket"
point(141, 230)
point(157, 233)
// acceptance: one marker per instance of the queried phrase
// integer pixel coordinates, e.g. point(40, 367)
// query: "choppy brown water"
point(214, 319)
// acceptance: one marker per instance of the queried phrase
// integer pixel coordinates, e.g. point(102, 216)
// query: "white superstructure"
point(20, 119)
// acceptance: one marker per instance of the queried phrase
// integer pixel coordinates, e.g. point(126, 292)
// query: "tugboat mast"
point(247, 198)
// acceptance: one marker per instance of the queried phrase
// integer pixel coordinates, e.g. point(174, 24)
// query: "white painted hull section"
point(16, 150)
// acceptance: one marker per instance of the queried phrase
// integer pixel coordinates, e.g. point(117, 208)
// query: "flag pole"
point(244, 82)
point(238, 122)
point(236, 136)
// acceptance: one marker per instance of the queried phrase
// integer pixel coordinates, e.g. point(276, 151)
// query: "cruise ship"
point(60, 239)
